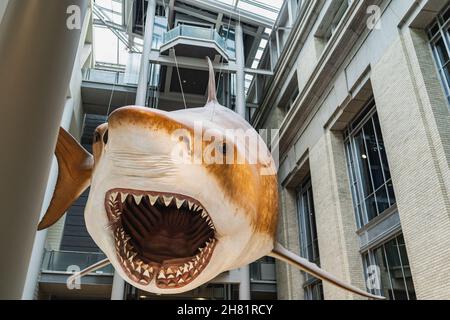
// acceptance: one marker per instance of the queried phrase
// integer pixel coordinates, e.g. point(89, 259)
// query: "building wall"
point(412, 112)
point(394, 64)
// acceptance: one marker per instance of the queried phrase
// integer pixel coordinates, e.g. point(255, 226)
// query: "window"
point(340, 8)
point(370, 177)
point(439, 34)
point(309, 243)
point(394, 274)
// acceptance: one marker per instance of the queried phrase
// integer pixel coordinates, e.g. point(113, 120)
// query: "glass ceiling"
point(111, 50)
point(265, 8)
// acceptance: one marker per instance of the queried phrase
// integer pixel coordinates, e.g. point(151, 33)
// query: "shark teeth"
point(167, 200)
point(179, 203)
point(163, 199)
point(174, 275)
point(137, 198)
point(153, 199)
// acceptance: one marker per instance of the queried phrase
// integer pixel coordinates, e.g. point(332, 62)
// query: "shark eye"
point(96, 137)
point(105, 137)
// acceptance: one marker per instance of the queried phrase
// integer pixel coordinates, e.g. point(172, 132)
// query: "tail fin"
point(284, 255)
point(74, 175)
point(212, 96)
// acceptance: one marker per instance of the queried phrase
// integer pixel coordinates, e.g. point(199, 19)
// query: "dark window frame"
point(369, 258)
point(367, 186)
point(309, 244)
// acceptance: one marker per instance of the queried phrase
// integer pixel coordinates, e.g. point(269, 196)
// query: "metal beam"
point(243, 16)
point(255, 46)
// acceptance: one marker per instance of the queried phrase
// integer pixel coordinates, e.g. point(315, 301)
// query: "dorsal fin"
point(212, 96)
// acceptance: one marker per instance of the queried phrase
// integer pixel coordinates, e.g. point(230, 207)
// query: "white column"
point(244, 285)
point(240, 76)
point(32, 101)
point(117, 291)
point(141, 92)
point(37, 254)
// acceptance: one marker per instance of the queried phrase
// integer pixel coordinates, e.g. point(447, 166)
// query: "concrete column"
point(415, 122)
point(118, 287)
point(37, 253)
point(240, 75)
point(336, 225)
point(244, 284)
point(34, 80)
point(141, 92)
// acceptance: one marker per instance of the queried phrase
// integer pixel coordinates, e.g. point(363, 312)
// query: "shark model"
point(170, 217)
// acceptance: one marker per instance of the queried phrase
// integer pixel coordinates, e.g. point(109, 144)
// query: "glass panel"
point(380, 261)
point(373, 155)
point(406, 268)
point(362, 159)
point(381, 148)
point(391, 193)
point(441, 51)
point(307, 227)
point(369, 156)
point(371, 208)
point(382, 200)
point(396, 270)
point(395, 274)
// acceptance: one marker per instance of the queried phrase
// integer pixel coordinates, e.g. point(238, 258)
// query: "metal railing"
point(106, 76)
point(195, 33)
point(263, 271)
point(72, 261)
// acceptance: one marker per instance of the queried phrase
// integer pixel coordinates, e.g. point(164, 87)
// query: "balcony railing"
point(193, 32)
point(109, 77)
point(72, 261)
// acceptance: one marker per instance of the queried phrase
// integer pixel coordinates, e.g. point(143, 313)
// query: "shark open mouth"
point(166, 236)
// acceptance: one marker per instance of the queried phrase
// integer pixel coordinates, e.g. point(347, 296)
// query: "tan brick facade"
point(413, 113)
point(395, 65)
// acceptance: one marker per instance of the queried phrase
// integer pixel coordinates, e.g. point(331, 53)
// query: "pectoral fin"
point(279, 252)
point(96, 266)
point(74, 175)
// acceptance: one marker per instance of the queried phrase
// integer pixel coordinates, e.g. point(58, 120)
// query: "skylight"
point(265, 8)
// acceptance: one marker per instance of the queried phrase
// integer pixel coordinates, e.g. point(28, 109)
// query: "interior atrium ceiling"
point(264, 8)
point(115, 35)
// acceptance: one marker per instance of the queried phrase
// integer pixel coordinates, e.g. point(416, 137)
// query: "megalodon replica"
point(176, 198)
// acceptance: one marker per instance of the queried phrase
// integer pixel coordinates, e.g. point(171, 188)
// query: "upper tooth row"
point(166, 199)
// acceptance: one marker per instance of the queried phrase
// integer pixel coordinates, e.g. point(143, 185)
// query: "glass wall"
point(309, 244)
point(370, 177)
point(393, 274)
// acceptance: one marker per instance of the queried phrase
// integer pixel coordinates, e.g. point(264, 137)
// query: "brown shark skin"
point(75, 166)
